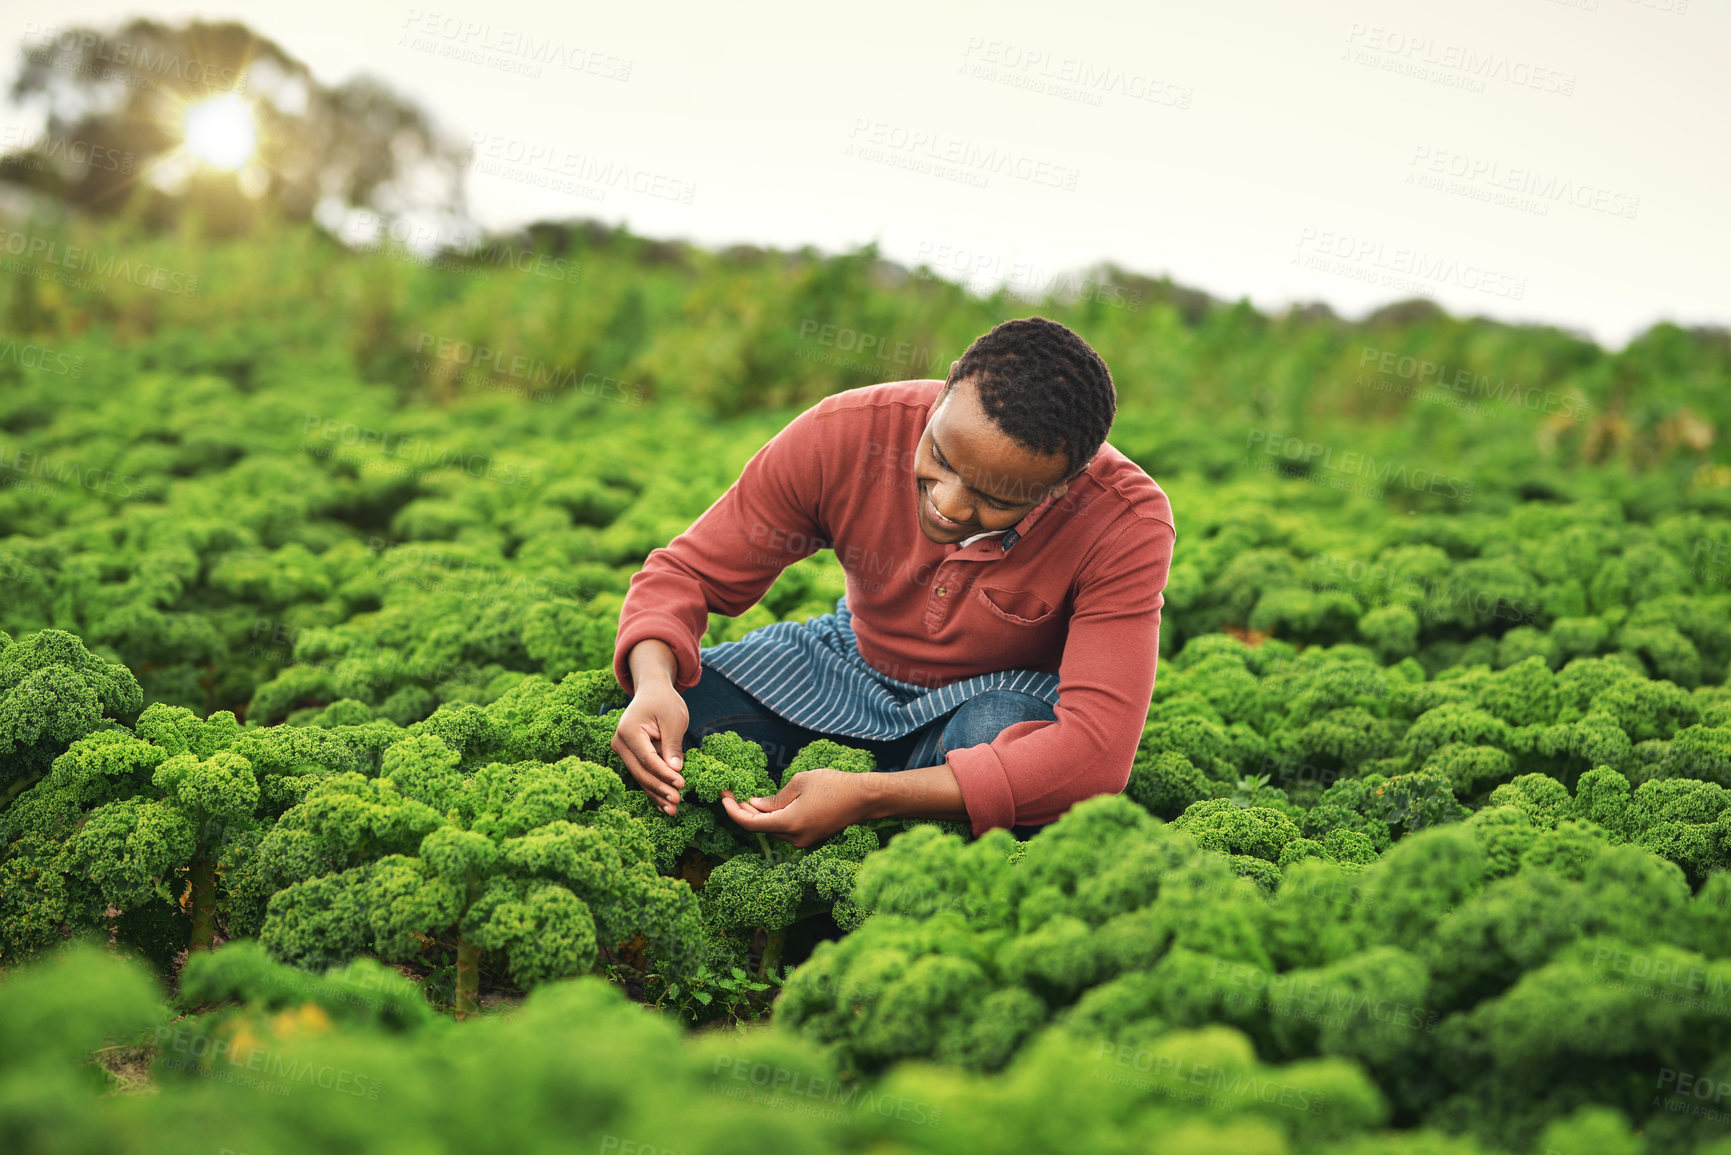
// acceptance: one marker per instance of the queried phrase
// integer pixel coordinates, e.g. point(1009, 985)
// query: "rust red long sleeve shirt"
point(1078, 594)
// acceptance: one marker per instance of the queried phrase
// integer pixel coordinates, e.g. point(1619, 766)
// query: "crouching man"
point(997, 642)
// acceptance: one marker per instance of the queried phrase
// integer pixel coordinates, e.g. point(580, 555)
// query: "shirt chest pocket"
point(1018, 607)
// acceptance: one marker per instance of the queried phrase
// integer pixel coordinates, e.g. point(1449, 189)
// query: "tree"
point(215, 117)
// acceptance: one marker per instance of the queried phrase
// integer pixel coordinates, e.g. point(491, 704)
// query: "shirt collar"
point(1022, 528)
point(1016, 532)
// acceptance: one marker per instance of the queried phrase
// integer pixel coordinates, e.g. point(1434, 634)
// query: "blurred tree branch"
point(117, 102)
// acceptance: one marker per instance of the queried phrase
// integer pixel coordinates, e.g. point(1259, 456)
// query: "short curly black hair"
point(1043, 386)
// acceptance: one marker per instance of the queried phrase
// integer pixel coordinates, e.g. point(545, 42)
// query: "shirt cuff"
point(985, 787)
point(667, 628)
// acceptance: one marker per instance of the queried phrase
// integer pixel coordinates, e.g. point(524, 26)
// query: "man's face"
point(971, 477)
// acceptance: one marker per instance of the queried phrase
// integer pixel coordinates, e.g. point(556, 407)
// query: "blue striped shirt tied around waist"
point(811, 673)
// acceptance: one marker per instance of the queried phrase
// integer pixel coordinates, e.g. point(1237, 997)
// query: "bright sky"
point(1561, 161)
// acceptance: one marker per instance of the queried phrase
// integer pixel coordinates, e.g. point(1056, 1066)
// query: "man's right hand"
point(652, 727)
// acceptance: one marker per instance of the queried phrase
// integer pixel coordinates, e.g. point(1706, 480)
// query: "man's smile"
point(936, 518)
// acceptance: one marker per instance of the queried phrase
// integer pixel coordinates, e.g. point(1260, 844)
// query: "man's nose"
point(951, 501)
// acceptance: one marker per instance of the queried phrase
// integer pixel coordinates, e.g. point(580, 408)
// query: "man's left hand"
point(812, 806)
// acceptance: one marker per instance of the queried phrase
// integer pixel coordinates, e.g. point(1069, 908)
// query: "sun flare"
point(221, 132)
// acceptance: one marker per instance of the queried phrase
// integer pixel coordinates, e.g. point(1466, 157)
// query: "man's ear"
point(1063, 487)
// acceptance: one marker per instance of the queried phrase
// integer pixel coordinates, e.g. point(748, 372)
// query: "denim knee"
point(986, 715)
point(716, 703)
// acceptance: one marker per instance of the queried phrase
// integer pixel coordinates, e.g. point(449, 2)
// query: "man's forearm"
point(652, 659)
point(921, 792)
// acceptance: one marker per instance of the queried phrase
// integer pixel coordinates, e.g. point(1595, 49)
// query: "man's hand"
point(817, 803)
point(649, 739)
point(812, 806)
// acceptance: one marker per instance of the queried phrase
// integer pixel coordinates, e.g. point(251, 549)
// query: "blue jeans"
point(716, 704)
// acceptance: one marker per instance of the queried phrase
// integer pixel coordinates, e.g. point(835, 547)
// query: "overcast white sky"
point(1532, 160)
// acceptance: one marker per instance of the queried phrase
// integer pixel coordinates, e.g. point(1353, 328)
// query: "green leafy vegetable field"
point(312, 838)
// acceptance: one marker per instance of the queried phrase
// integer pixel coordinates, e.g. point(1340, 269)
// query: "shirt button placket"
point(936, 604)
